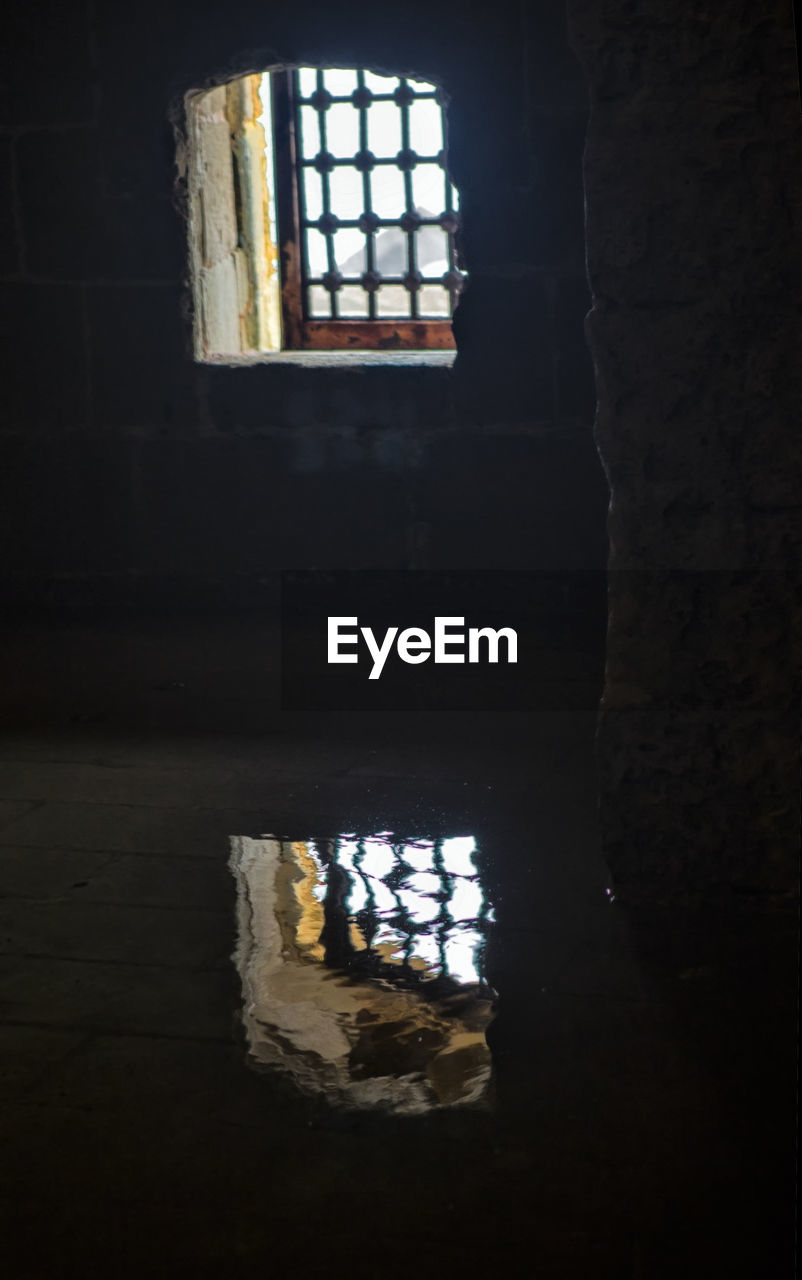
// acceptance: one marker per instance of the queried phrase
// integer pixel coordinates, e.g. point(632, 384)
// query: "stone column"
point(694, 245)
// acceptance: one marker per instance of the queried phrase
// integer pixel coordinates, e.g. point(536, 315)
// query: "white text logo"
point(414, 645)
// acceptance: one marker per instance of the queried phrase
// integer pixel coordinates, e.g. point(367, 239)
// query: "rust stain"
point(378, 335)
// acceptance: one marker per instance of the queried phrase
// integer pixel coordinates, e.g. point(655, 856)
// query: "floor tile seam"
point(34, 804)
point(11, 897)
point(38, 802)
point(92, 1033)
point(121, 853)
point(64, 901)
point(210, 967)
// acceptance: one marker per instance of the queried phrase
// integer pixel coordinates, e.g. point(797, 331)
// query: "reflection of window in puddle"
point(362, 965)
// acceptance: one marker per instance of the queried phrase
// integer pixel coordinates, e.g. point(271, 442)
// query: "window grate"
point(374, 214)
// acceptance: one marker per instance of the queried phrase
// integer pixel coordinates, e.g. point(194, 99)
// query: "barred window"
point(363, 190)
point(333, 224)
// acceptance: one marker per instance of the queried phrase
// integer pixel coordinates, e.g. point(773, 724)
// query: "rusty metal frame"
point(300, 331)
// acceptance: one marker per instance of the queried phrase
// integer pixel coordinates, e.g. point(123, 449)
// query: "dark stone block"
point(173, 55)
point(230, 507)
point(143, 371)
point(136, 139)
point(558, 224)
point(9, 246)
point(77, 225)
point(487, 140)
point(542, 225)
point(347, 513)
point(513, 501)
point(43, 322)
point(186, 517)
point(59, 196)
point(47, 74)
point(65, 509)
point(503, 371)
point(381, 397)
point(555, 76)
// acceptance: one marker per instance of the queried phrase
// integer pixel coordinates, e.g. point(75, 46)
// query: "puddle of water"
point(362, 967)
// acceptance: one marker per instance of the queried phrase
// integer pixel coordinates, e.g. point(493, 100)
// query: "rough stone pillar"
point(694, 242)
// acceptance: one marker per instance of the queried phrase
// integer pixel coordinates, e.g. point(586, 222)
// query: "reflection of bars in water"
point(374, 1034)
point(406, 910)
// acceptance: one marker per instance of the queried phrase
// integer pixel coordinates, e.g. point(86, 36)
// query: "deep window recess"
point(330, 222)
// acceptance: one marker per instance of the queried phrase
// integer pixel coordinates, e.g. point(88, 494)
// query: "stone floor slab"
point(117, 932)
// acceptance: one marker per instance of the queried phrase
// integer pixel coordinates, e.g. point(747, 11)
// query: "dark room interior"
point(486, 971)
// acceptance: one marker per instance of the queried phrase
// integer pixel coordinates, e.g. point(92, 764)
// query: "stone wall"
point(131, 472)
point(692, 171)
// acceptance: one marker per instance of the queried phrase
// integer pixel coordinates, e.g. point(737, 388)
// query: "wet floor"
point(362, 961)
point(439, 1046)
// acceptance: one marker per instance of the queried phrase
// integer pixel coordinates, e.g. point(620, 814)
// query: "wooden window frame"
point(299, 331)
